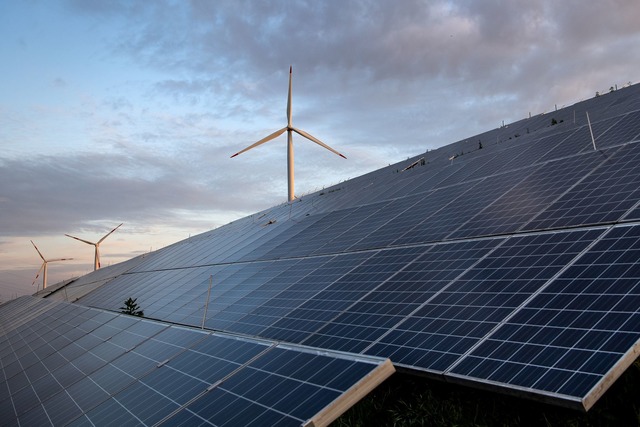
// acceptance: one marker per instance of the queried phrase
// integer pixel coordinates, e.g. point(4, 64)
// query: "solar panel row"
point(72, 365)
point(571, 336)
point(425, 307)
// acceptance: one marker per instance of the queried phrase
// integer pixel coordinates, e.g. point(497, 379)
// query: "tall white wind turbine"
point(43, 267)
point(96, 260)
point(290, 129)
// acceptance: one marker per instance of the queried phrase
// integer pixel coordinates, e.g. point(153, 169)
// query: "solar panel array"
point(66, 364)
point(512, 266)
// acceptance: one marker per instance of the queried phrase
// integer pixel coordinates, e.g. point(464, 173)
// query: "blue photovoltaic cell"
point(625, 130)
point(603, 196)
point(461, 209)
point(462, 313)
point(526, 152)
point(329, 302)
point(572, 142)
point(634, 214)
point(365, 219)
point(276, 386)
point(383, 228)
point(413, 225)
point(150, 372)
point(289, 273)
point(400, 295)
point(284, 231)
point(528, 198)
point(311, 238)
point(567, 338)
point(277, 318)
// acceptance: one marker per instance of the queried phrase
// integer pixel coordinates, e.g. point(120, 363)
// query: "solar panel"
point(510, 212)
point(310, 314)
point(571, 142)
point(456, 294)
point(578, 333)
point(405, 288)
point(113, 373)
point(462, 208)
point(625, 130)
point(602, 196)
point(448, 324)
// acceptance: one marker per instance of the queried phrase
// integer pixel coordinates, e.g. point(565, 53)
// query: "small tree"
point(131, 307)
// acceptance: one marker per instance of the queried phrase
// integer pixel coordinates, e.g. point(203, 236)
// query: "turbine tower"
point(290, 129)
point(43, 267)
point(96, 260)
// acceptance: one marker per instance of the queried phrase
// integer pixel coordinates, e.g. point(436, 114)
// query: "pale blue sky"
point(128, 111)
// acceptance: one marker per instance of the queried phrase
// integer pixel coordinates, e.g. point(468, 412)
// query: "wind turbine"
point(43, 267)
point(96, 261)
point(290, 129)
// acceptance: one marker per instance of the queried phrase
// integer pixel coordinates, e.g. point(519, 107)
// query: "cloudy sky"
point(127, 112)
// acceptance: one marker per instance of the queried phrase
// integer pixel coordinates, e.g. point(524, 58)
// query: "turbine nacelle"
point(96, 259)
point(290, 129)
point(43, 267)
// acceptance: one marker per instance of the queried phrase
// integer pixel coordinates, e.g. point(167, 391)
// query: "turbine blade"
point(107, 235)
point(317, 141)
point(60, 259)
point(262, 141)
point(289, 99)
point(82, 240)
point(37, 274)
point(39, 253)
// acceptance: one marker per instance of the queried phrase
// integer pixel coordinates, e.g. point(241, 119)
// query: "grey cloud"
point(366, 55)
point(47, 194)
point(59, 82)
point(481, 48)
point(390, 40)
point(118, 103)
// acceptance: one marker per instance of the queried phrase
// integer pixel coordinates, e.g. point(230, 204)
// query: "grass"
point(405, 400)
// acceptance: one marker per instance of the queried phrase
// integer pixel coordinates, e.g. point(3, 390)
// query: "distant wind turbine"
point(43, 267)
point(290, 129)
point(96, 260)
